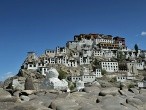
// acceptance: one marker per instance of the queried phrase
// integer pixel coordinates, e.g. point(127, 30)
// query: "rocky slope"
point(93, 97)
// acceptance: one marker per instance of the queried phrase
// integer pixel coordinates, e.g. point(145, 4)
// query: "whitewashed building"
point(121, 78)
point(110, 66)
point(87, 53)
point(84, 60)
point(98, 73)
point(60, 50)
point(97, 53)
point(43, 70)
point(104, 39)
point(72, 63)
point(108, 54)
point(52, 60)
point(136, 65)
point(31, 66)
point(142, 84)
point(50, 53)
point(72, 44)
point(31, 62)
point(75, 54)
point(84, 76)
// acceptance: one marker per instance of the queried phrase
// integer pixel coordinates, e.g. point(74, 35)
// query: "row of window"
point(121, 77)
point(115, 69)
point(137, 64)
point(111, 63)
point(110, 66)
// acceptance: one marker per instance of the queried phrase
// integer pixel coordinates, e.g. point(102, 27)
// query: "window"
point(30, 65)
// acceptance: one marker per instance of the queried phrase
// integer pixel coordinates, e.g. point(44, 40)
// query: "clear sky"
point(36, 25)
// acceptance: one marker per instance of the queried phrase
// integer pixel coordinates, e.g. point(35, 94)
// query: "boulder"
point(30, 105)
point(92, 89)
point(29, 84)
point(46, 98)
point(16, 85)
point(88, 106)
point(10, 99)
point(104, 83)
point(4, 94)
point(134, 90)
point(141, 97)
point(29, 92)
point(24, 98)
point(109, 91)
point(143, 91)
point(96, 84)
point(64, 104)
point(6, 105)
point(134, 101)
point(114, 103)
point(126, 93)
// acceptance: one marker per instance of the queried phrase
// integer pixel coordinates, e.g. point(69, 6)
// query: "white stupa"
point(52, 81)
point(79, 85)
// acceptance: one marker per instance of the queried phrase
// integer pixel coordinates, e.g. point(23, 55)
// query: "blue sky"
point(36, 25)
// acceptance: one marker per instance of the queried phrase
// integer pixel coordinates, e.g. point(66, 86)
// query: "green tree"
point(136, 49)
point(62, 74)
point(120, 56)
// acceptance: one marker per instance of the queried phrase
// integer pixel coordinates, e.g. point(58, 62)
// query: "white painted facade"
point(88, 78)
point(75, 54)
point(86, 41)
point(97, 53)
point(52, 60)
point(43, 70)
point(84, 78)
point(121, 78)
point(110, 66)
point(32, 66)
point(72, 63)
point(102, 40)
point(50, 53)
point(87, 53)
point(72, 44)
point(98, 73)
point(84, 60)
point(75, 78)
point(60, 50)
point(142, 84)
point(108, 54)
point(136, 65)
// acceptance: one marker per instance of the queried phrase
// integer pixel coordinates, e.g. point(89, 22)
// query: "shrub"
point(113, 80)
point(103, 72)
point(131, 86)
point(62, 74)
point(71, 85)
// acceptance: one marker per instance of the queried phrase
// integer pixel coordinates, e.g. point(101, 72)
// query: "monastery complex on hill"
point(91, 53)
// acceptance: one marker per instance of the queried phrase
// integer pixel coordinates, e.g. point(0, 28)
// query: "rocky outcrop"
point(29, 84)
point(90, 99)
point(4, 94)
point(109, 91)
